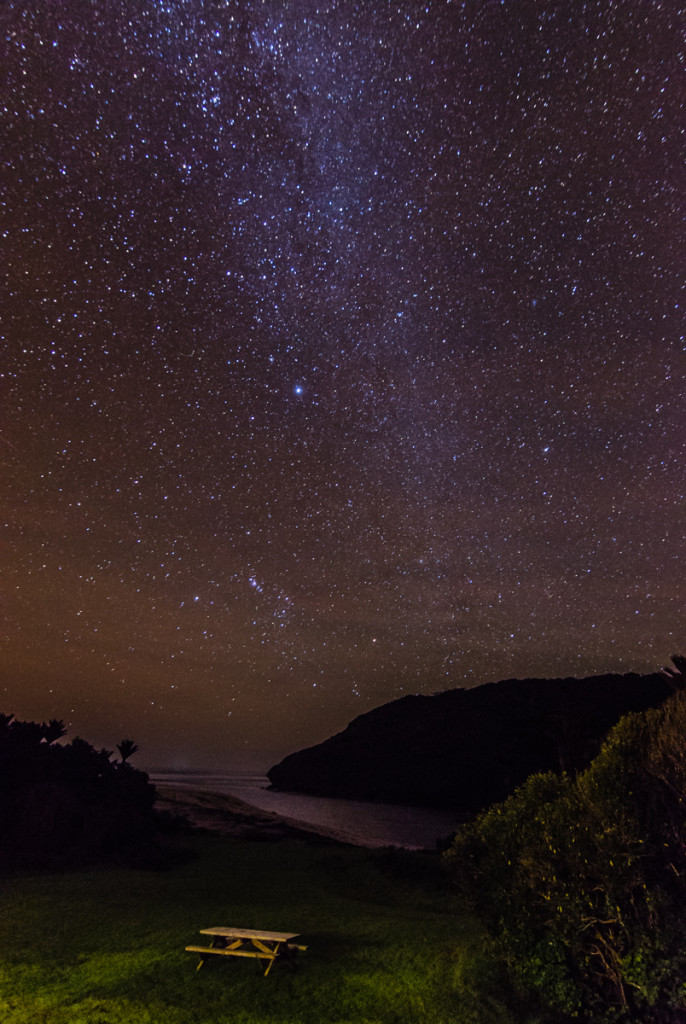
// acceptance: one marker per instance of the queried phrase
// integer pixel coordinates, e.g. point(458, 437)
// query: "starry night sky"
point(341, 358)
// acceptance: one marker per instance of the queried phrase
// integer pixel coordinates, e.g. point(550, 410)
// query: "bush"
point(580, 882)
point(65, 805)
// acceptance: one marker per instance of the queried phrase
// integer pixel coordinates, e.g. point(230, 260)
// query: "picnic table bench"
point(260, 945)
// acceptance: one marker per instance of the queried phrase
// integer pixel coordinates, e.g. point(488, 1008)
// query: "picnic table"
point(260, 945)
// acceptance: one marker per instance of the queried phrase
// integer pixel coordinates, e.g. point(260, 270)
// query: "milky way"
point(341, 358)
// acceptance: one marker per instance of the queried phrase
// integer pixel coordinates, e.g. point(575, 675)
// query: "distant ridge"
point(465, 749)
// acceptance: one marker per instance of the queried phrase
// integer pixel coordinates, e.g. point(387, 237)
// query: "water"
point(353, 821)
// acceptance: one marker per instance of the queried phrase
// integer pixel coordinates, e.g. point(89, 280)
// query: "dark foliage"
point(581, 882)
point(465, 749)
point(127, 748)
point(64, 805)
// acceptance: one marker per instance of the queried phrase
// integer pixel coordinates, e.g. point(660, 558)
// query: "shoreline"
point(233, 818)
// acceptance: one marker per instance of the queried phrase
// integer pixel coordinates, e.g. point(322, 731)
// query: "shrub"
point(69, 804)
point(580, 881)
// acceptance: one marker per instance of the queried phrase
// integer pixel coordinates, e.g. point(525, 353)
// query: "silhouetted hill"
point(465, 749)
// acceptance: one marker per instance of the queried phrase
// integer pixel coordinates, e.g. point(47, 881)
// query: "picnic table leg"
point(272, 953)
point(273, 959)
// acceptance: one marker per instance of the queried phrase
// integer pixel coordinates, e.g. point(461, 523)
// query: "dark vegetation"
point(580, 881)
point(466, 749)
point(68, 805)
point(562, 903)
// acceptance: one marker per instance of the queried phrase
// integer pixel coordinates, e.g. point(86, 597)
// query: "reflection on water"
point(354, 821)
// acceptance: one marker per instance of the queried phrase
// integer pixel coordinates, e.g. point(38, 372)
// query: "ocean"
point(352, 821)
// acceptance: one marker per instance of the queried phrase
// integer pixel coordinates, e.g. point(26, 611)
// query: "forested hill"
point(465, 749)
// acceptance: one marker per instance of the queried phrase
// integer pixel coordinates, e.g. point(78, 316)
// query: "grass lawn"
point(107, 946)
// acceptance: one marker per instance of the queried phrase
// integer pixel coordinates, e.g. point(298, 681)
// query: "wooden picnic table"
point(248, 942)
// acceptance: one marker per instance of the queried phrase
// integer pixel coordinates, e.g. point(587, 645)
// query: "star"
point(339, 343)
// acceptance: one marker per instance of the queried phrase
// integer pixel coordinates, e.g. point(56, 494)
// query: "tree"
point(677, 673)
point(580, 882)
point(54, 730)
point(70, 804)
point(127, 748)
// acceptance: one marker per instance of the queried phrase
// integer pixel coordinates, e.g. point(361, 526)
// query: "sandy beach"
point(228, 816)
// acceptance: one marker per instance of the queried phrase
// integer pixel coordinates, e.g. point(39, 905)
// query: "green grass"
point(107, 946)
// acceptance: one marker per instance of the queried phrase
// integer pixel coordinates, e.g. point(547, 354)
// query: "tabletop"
point(247, 933)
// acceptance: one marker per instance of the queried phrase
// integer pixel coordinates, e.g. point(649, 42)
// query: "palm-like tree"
point(54, 730)
point(126, 748)
point(677, 674)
